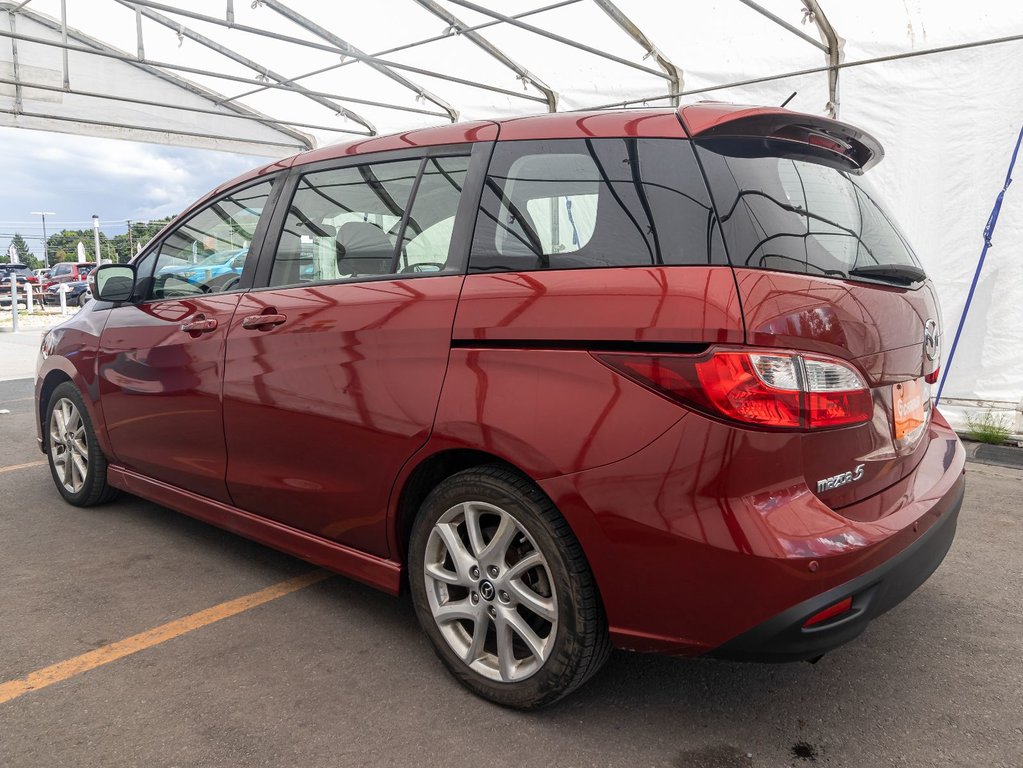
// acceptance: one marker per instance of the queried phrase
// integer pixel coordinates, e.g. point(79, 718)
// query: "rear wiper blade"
point(903, 274)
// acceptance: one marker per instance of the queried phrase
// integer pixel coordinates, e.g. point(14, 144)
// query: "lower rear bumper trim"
point(784, 638)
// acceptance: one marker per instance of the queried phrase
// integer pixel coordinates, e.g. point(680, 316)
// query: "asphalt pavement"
point(336, 674)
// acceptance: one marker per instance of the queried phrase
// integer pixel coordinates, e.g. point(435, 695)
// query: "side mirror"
point(112, 282)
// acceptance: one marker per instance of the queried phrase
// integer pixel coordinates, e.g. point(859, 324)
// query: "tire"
point(512, 609)
point(77, 464)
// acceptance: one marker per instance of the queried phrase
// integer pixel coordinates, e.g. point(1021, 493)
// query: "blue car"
point(216, 265)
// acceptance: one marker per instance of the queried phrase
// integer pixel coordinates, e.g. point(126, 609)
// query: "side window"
point(346, 223)
point(431, 221)
point(569, 204)
point(207, 253)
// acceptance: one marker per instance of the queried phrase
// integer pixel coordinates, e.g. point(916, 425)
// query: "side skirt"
point(375, 571)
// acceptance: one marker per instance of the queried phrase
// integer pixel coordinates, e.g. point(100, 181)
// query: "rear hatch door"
point(821, 266)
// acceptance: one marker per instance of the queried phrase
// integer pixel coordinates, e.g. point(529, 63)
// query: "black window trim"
point(465, 215)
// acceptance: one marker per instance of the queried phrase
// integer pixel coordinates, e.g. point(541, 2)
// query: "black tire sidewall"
point(97, 461)
point(558, 674)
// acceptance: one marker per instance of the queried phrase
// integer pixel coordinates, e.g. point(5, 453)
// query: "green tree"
point(140, 233)
point(120, 248)
point(24, 254)
point(65, 244)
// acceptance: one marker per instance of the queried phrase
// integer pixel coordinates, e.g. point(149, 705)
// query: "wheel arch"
point(47, 385)
point(422, 477)
point(55, 371)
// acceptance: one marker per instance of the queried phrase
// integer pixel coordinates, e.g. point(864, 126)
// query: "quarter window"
point(569, 204)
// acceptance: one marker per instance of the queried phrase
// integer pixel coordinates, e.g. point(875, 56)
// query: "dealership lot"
point(334, 673)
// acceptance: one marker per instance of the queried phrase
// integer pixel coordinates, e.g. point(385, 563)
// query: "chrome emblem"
point(842, 478)
point(487, 590)
point(932, 340)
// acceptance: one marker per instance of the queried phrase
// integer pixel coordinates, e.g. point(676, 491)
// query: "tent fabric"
point(947, 120)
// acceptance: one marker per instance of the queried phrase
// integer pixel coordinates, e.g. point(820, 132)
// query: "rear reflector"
point(768, 389)
point(829, 613)
point(932, 377)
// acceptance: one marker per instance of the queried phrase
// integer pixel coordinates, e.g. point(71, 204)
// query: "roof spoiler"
point(831, 141)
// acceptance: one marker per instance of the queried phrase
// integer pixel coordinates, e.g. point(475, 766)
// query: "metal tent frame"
point(262, 78)
point(411, 98)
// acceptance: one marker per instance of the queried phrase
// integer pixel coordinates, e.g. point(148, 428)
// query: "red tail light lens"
point(773, 390)
point(932, 377)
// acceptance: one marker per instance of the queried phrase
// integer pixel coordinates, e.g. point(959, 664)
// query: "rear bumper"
point(784, 638)
point(709, 541)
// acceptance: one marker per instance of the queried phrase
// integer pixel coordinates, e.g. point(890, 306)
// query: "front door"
point(334, 367)
point(161, 357)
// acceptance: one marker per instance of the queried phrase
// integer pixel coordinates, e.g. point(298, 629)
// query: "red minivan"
point(657, 380)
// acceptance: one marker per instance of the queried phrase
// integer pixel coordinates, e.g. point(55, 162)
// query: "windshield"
point(793, 215)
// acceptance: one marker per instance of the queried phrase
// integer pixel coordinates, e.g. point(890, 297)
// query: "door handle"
point(263, 322)
point(201, 324)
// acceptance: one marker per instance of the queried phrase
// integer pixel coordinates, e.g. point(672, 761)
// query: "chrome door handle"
point(201, 324)
point(263, 322)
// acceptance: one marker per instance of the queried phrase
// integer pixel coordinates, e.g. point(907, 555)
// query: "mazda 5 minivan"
point(657, 380)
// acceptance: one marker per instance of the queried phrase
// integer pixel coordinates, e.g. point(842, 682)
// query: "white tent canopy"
point(940, 85)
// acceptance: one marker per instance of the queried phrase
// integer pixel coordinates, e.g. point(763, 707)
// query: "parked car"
point(22, 272)
point(216, 269)
point(651, 379)
point(42, 275)
point(75, 293)
point(67, 272)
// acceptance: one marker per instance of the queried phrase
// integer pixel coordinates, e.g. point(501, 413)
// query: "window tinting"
point(567, 204)
point(207, 253)
point(432, 218)
point(346, 223)
point(795, 215)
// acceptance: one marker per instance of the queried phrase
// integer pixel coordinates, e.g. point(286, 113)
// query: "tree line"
point(63, 245)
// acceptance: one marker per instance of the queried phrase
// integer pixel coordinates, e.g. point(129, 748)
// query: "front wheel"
point(503, 590)
point(77, 463)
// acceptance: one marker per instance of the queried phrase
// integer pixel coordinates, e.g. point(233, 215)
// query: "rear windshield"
point(799, 216)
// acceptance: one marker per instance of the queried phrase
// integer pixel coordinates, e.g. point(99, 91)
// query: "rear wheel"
point(503, 590)
point(77, 464)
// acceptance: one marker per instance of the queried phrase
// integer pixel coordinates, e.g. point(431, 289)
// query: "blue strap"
point(571, 220)
point(989, 231)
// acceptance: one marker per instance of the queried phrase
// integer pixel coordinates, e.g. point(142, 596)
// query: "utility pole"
point(131, 242)
point(46, 243)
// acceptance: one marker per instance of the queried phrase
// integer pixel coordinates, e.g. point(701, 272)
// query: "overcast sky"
point(77, 176)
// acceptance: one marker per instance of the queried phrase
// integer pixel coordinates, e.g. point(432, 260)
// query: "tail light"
point(768, 389)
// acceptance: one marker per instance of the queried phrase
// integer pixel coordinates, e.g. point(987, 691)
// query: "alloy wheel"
point(69, 445)
point(490, 591)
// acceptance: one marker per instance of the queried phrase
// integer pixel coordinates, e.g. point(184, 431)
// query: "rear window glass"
point(799, 216)
point(573, 203)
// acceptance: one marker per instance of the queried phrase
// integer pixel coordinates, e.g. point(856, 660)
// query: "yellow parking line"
point(63, 670)
point(16, 400)
point(23, 466)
